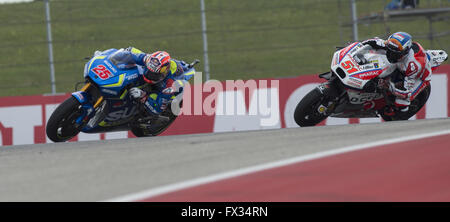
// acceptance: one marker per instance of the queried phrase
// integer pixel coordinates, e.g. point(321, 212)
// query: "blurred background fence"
point(246, 38)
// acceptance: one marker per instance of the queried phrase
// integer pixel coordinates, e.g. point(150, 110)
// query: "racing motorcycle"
point(359, 91)
point(104, 105)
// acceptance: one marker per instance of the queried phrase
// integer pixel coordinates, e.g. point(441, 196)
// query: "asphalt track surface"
point(109, 170)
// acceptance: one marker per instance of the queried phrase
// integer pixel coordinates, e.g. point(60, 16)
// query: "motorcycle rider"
point(410, 59)
point(158, 69)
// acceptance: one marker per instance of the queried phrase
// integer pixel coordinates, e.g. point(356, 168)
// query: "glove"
point(138, 94)
point(376, 43)
point(382, 83)
point(397, 92)
point(169, 91)
point(176, 87)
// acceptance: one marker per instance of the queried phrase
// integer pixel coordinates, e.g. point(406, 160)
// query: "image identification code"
point(227, 212)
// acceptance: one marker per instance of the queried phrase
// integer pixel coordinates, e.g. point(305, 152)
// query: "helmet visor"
point(154, 77)
point(393, 55)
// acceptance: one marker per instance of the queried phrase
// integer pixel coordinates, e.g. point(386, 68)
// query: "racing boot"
point(388, 111)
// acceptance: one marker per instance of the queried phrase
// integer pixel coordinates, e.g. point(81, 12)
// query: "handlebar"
point(194, 63)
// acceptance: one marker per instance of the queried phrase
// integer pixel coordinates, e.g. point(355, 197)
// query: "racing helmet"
point(158, 66)
point(397, 46)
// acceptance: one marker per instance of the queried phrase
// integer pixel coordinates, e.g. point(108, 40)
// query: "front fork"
point(87, 109)
point(331, 97)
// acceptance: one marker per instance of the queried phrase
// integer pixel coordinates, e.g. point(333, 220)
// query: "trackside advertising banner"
point(232, 105)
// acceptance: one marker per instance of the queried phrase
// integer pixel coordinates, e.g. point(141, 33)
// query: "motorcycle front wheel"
point(61, 124)
point(306, 113)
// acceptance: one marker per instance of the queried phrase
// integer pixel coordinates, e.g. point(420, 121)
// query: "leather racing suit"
point(416, 69)
point(163, 92)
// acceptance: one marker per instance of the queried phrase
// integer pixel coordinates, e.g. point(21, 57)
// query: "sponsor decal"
point(121, 114)
point(367, 75)
point(79, 95)
point(346, 50)
point(357, 97)
point(110, 66)
point(368, 67)
point(109, 91)
point(354, 50)
point(148, 105)
point(354, 82)
point(132, 76)
point(412, 69)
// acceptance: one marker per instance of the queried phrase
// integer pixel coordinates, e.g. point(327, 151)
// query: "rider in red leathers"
point(413, 63)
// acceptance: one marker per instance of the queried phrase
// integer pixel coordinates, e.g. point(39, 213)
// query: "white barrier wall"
point(23, 119)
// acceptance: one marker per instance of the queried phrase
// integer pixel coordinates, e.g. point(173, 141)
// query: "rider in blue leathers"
point(158, 69)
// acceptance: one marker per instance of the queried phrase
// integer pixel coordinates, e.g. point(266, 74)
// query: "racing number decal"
point(349, 67)
point(102, 72)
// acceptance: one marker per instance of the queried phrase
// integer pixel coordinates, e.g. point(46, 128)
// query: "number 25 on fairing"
point(102, 72)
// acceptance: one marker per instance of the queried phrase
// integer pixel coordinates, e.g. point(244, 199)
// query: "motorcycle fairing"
point(119, 113)
point(436, 57)
point(356, 76)
point(112, 83)
point(110, 79)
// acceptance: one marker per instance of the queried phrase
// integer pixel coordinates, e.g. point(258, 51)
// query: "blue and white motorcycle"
point(103, 104)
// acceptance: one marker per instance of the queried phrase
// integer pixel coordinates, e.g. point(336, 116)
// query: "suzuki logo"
point(121, 114)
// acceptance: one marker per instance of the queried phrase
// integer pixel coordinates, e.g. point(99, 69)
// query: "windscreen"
point(122, 59)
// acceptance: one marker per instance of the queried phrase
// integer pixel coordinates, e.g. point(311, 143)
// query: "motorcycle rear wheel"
point(147, 132)
point(415, 107)
point(61, 124)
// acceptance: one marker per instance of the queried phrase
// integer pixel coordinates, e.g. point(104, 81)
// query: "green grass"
point(246, 38)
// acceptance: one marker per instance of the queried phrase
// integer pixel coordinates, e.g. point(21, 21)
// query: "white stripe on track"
point(234, 173)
